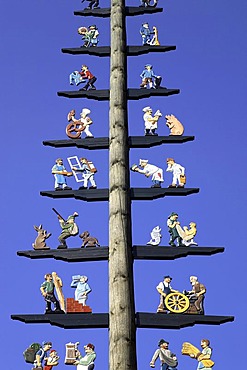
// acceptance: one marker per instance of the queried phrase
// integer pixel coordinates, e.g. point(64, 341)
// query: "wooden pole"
point(122, 330)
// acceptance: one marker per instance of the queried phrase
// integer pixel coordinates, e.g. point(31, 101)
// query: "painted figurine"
point(40, 241)
point(83, 76)
point(42, 355)
point(76, 126)
point(198, 291)
point(146, 34)
point(88, 241)
point(69, 228)
point(149, 37)
point(52, 282)
point(149, 78)
point(82, 288)
point(164, 288)
point(172, 223)
point(151, 122)
point(89, 35)
point(168, 359)
point(155, 236)
point(147, 3)
point(203, 357)
point(178, 172)
point(52, 360)
point(150, 170)
point(86, 362)
point(175, 126)
point(87, 170)
point(93, 4)
point(187, 234)
point(60, 173)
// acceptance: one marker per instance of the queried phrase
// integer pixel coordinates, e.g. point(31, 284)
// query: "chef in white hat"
point(151, 170)
point(150, 121)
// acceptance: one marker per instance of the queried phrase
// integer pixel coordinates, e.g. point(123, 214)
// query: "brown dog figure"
point(88, 241)
point(41, 238)
point(175, 126)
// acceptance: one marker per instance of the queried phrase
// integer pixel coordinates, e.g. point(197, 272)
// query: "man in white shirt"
point(150, 170)
point(178, 173)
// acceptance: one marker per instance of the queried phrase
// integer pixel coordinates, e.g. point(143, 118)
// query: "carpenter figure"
point(47, 290)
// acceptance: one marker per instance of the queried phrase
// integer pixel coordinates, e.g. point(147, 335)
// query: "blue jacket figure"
point(149, 77)
point(146, 34)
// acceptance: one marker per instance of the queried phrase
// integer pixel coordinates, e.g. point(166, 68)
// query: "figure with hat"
point(69, 228)
point(178, 172)
point(42, 355)
point(151, 122)
point(149, 170)
point(76, 126)
point(146, 33)
point(89, 35)
point(168, 359)
point(83, 76)
point(172, 223)
point(52, 282)
point(52, 360)
point(60, 173)
point(86, 362)
point(149, 78)
point(164, 288)
point(82, 288)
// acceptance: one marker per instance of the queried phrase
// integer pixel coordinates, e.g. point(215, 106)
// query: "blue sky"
point(209, 66)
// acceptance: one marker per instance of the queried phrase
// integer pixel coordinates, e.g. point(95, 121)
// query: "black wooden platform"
point(93, 195)
point(105, 51)
point(106, 12)
point(103, 142)
point(132, 94)
point(102, 253)
point(143, 320)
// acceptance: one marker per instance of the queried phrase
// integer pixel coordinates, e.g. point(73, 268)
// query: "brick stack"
point(73, 306)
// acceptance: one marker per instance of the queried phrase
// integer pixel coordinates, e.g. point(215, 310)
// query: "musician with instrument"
point(60, 173)
point(167, 358)
point(203, 357)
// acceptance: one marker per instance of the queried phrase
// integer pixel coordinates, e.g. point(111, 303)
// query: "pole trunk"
point(122, 331)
